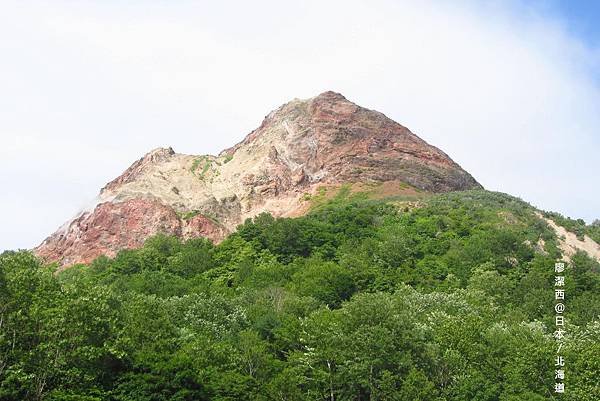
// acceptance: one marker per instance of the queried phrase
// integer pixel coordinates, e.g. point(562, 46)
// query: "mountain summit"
point(301, 149)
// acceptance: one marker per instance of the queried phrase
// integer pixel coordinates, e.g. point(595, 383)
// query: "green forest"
point(448, 298)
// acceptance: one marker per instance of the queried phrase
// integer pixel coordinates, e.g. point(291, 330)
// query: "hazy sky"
point(510, 90)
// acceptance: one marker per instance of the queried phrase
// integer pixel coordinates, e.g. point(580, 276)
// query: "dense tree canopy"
point(358, 300)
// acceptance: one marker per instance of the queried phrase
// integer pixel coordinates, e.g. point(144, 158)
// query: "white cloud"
point(88, 87)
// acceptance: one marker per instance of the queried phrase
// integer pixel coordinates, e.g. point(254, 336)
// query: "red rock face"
point(113, 226)
point(326, 140)
point(349, 143)
point(202, 226)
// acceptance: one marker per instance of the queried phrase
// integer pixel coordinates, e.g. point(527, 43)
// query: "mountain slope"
point(304, 145)
point(358, 299)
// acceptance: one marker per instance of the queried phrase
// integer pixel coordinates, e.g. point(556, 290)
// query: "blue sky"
point(509, 89)
point(581, 17)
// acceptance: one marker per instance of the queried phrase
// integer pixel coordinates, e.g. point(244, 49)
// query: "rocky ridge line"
point(304, 145)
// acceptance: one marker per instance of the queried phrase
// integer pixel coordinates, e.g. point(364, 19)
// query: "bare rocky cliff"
point(303, 145)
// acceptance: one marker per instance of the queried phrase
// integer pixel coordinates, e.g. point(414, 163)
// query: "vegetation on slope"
point(358, 300)
point(578, 226)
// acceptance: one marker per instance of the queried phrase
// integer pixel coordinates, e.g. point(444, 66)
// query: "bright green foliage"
point(358, 300)
point(53, 336)
point(206, 164)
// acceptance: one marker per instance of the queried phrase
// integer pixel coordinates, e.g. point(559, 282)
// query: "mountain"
point(376, 276)
point(303, 149)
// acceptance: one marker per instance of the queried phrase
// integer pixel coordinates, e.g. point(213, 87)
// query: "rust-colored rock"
point(202, 226)
point(305, 144)
point(109, 227)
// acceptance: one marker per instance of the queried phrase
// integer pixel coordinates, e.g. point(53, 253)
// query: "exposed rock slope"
point(569, 244)
point(305, 144)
